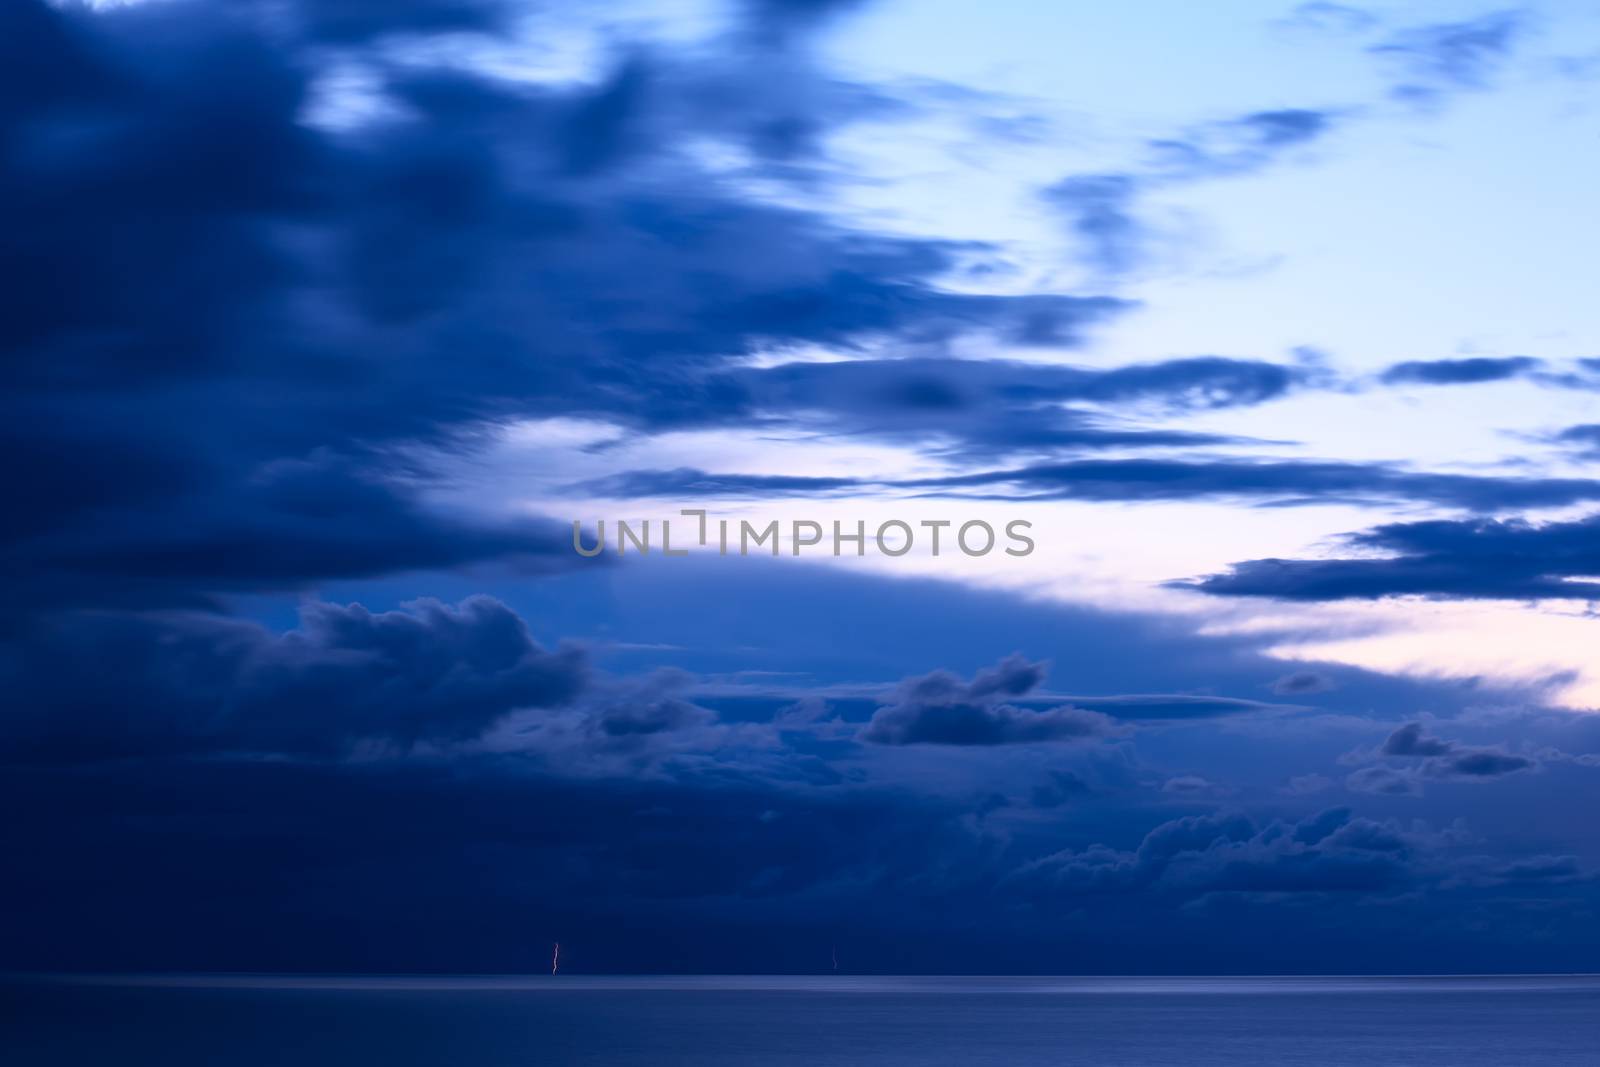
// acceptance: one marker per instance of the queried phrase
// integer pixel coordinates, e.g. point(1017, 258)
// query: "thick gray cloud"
point(1423, 757)
point(231, 326)
point(227, 323)
point(1409, 740)
point(941, 709)
point(103, 685)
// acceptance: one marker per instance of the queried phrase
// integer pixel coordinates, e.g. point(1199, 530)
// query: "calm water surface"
point(1015, 1022)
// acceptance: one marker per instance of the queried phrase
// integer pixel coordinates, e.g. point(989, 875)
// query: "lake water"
point(708, 1022)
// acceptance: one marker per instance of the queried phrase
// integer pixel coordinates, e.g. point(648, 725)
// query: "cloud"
point(976, 407)
point(359, 21)
point(1383, 781)
point(1584, 439)
point(246, 314)
point(1410, 741)
point(1102, 210)
point(1303, 683)
point(1479, 763)
point(1578, 375)
point(102, 685)
point(1281, 481)
point(1460, 371)
point(1540, 869)
point(788, 16)
point(649, 801)
point(1453, 56)
point(687, 483)
point(1325, 16)
point(1099, 209)
point(941, 709)
point(1303, 785)
point(1241, 145)
point(235, 327)
point(970, 408)
point(1491, 559)
point(1060, 787)
point(1436, 759)
point(1160, 706)
point(1284, 483)
point(1191, 784)
point(1190, 383)
point(1331, 852)
point(289, 525)
point(313, 852)
point(654, 717)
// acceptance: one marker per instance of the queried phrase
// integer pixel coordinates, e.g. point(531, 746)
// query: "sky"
point(325, 321)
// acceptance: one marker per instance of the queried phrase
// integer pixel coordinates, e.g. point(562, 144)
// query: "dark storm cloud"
point(419, 865)
point(942, 709)
point(279, 820)
point(214, 307)
point(290, 524)
point(108, 684)
point(226, 326)
point(382, 867)
point(1468, 559)
point(1459, 371)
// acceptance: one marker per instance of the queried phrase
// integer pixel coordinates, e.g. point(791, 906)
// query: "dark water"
point(1015, 1022)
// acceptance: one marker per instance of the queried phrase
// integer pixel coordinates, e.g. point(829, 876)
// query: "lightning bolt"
point(555, 959)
